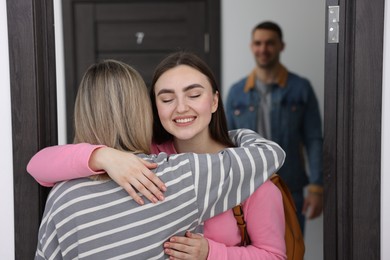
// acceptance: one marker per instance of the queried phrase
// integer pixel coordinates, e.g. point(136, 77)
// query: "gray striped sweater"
point(86, 219)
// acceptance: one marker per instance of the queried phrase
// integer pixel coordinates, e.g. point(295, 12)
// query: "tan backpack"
point(295, 245)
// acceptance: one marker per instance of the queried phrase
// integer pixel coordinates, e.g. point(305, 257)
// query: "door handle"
point(140, 37)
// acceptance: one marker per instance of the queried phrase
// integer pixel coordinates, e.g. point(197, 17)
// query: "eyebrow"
point(170, 91)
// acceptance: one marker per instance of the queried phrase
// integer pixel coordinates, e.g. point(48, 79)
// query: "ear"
point(283, 46)
point(251, 47)
point(215, 102)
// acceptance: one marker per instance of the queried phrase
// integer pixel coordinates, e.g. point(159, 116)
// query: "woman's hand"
point(130, 172)
point(192, 246)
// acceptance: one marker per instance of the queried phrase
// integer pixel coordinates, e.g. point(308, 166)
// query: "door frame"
point(352, 132)
point(352, 123)
point(33, 108)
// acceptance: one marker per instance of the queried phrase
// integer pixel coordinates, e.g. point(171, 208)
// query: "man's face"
point(266, 47)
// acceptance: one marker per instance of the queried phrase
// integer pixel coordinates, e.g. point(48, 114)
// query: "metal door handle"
point(140, 37)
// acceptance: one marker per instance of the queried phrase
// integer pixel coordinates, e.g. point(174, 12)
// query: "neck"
point(198, 145)
point(268, 75)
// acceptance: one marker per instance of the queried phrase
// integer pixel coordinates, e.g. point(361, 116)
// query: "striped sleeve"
point(228, 178)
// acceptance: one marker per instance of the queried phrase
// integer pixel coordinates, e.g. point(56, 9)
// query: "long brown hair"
point(113, 108)
point(218, 124)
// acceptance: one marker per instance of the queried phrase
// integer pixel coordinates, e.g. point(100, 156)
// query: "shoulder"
point(66, 191)
point(266, 192)
point(70, 193)
point(267, 189)
point(62, 187)
point(297, 80)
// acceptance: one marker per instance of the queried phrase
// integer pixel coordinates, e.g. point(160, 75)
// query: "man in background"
point(282, 106)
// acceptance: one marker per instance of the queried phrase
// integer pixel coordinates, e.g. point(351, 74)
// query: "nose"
point(262, 47)
point(182, 106)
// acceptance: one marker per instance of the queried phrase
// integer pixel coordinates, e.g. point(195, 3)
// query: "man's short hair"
point(268, 25)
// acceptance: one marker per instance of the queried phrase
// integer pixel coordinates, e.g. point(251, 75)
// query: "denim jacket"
point(295, 124)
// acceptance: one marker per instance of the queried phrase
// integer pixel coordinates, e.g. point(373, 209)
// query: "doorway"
point(304, 54)
point(352, 136)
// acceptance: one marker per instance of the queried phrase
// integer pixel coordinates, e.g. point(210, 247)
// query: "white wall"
point(304, 35)
point(385, 180)
point(6, 183)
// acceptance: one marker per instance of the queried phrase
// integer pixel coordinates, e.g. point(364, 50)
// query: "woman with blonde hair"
point(94, 218)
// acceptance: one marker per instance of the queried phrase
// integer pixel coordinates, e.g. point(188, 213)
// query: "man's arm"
point(313, 142)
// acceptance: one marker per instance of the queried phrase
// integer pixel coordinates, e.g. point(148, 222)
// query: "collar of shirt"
point(281, 79)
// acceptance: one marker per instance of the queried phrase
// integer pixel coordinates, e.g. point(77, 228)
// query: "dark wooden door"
point(140, 33)
point(352, 127)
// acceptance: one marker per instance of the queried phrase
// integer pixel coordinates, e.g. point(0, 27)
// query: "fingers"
point(134, 175)
point(148, 188)
point(193, 246)
point(311, 215)
point(178, 248)
point(315, 212)
point(144, 187)
point(152, 180)
point(305, 206)
point(193, 235)
point(133, 194)
point(312, 206)
point(150, 165)
point(174, 254)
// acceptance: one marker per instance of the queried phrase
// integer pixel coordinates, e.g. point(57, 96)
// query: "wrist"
point(315, 189)
point(96, 160)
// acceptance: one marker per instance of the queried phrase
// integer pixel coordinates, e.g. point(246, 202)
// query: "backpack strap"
point(239, 216)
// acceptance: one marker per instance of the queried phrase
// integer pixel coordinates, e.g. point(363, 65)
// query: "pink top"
point(263, 211)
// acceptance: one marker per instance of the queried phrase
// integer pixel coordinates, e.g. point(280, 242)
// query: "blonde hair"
point(113, 108)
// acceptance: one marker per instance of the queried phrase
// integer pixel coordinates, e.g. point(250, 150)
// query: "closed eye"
point(166, 100)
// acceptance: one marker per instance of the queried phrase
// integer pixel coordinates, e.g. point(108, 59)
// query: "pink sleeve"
point(264, 215)
point(62, 162)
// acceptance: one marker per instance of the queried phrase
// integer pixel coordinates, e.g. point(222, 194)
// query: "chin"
point(184, 137)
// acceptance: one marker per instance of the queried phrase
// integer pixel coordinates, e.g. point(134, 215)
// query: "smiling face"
point(185, 102)
point(266, 46)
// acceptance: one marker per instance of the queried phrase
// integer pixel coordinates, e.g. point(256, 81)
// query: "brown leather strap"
point(239, 215)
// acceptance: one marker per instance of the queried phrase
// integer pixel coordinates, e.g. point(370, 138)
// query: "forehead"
point(264, 35)
point(180, 77)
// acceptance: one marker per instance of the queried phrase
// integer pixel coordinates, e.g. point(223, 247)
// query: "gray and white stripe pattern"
point(87, 219)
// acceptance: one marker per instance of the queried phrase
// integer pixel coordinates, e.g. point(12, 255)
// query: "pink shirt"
point(264, 215)
point(263, 211)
